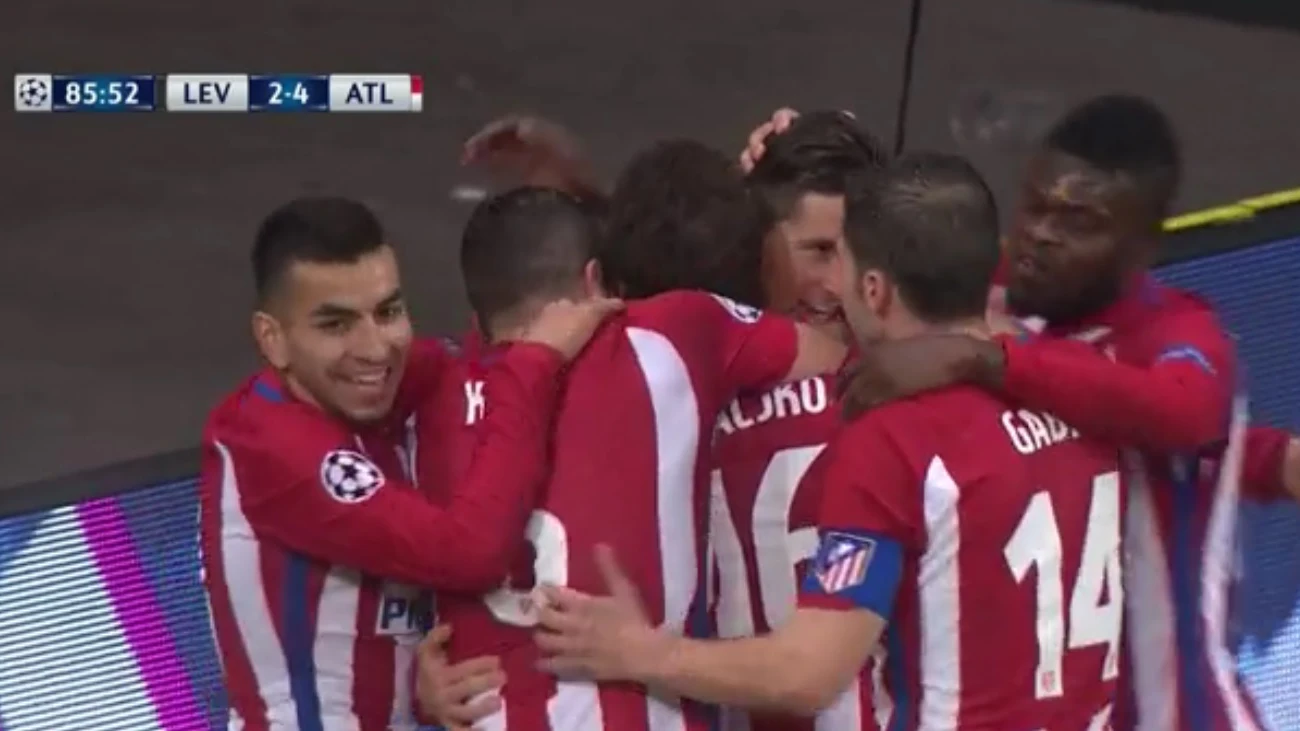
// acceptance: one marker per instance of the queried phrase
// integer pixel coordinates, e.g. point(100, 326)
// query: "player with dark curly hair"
point(681, 217)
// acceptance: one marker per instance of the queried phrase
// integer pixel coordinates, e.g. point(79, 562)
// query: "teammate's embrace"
point(317, 548)
point(633, 431)
point(969, 566)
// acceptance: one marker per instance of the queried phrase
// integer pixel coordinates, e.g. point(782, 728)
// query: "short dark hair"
point(321, 230)
point(523, 244)
point(819, 153)
point(929, 221)
point(1122, 134)
point(682, 217)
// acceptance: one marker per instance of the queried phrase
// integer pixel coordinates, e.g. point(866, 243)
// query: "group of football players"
point(803, 442)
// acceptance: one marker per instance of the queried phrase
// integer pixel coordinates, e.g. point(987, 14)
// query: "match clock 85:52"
point(103, 93)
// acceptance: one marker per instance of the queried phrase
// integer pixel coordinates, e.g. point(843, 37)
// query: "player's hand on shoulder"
point(567, 325)
point(600, 637)
point(456, 695)
point(527, 150)
point(890, 370)
point(756, 145)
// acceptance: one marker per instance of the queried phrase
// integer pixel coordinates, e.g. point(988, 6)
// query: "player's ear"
point(270, 340)
point(593, 279)
point(877, 292)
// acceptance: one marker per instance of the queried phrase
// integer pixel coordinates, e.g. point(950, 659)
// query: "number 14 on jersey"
point(1095, 601)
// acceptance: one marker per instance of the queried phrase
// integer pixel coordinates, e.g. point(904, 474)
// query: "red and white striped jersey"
point(317, 548)
point(1009, 612)
point(630, 468)
point(763, 523)
point(1180, 533)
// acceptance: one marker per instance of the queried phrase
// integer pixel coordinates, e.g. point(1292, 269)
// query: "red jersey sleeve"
point(303, 484)
point(1261, 472)
point(869, 519)
point(1176, 395)
point(425, 364)
point(758, 348)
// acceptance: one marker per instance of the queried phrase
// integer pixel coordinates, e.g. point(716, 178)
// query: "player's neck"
point(509, 328)
point(975, 327)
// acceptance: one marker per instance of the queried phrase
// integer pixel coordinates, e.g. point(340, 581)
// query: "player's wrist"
point(655, 662)
point(988, 363)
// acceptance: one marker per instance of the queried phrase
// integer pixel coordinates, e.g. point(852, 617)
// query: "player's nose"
point(370, 343)
point(1043, 234)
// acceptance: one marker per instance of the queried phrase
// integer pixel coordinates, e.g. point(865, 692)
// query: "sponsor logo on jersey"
point(403, 611)
point(842, 562)
point(350, 477)
point(743, 313)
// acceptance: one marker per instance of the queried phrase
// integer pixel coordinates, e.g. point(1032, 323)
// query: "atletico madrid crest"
point(842, 561)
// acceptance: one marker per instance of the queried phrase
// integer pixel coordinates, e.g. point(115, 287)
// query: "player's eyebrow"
point(331, 310)
point(391, 299)
point(816, 241)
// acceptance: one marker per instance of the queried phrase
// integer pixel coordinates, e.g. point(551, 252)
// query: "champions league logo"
point(349, 477)
point(743, 313)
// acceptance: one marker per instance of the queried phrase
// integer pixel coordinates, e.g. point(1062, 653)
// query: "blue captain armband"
point(860, 567)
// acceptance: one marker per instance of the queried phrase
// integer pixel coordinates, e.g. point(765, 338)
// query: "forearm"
point(1174, 408)
point(751, 672)
point(489, 506)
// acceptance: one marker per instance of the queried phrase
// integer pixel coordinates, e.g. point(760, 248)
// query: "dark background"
point(124, 292)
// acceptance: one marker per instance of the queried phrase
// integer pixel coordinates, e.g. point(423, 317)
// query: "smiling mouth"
point(368, 380)
point(816, 313)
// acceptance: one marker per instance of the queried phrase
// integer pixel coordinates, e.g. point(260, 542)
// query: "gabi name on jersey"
point(809, 396)
point(1030, 431)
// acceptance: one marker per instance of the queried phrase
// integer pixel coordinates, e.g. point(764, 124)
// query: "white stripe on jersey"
point(734, 606)
point(1149, 602)
point(241, 562)
point(1217, 569)
point(334, 645)
point(576, 705)
point(677, 438)
point(336, 622)
point(939, 582)
point(777, 555)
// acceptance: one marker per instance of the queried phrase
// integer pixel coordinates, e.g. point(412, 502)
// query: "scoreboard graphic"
point(214, 93)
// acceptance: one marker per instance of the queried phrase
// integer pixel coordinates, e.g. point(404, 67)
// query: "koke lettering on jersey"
point(809, 396)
